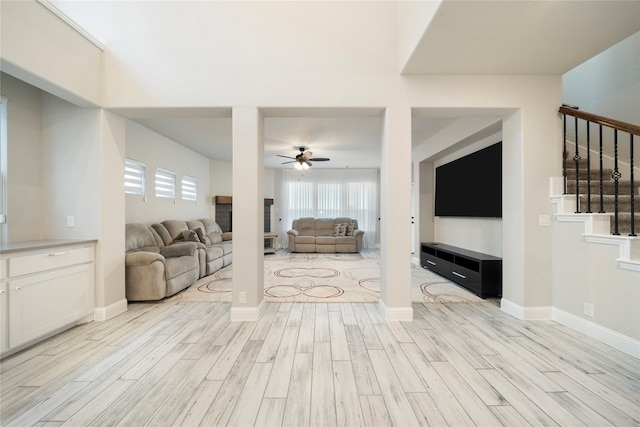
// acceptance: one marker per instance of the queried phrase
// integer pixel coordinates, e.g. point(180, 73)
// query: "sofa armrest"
point(227, 235)
point(179, 249)
point(293, 233)
point(357, 233)
point(142, 258)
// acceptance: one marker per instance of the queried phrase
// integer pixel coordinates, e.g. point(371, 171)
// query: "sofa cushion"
point(138, 237)
point(346, 240)
point(305, 239)
point(202, 237)
point(163, 233)
point(175, 227)
point(190, 236)
point(306, 226)
point(215, 237)
point(325, 240)
point(324, 227)
point(210, 226)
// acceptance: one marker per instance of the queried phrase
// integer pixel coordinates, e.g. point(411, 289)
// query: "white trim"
point(73, 24)
point(626, 264)
point(110, 311)
point(401, 314)
point(247, 314)
point(607, 336)
point(526, 313)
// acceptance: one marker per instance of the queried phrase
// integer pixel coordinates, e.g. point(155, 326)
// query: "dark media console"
point(480, 273)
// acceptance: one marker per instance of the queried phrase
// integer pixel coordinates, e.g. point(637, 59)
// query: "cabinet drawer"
point(55, 258)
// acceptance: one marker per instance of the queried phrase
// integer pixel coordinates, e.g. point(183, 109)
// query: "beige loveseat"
point(167, 257)
point(325, 235)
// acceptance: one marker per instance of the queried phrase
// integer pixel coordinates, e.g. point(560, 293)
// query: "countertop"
point(30, 245)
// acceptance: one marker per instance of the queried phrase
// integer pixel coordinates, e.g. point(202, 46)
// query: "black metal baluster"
point(633, 187)
point(601, 176)
point(588, 167)
point(576, 159)
point(564, 152)
point(616, 177)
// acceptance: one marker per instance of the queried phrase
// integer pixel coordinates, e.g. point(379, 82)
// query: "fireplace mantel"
point(228, 200)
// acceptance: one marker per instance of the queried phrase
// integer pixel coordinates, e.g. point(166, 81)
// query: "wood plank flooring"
point(186, 364)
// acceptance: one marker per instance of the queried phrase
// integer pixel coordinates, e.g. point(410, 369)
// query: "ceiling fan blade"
point(293, 161)
point(308, 163)
point(320, 159)
point(307, 154)
point(286, 157)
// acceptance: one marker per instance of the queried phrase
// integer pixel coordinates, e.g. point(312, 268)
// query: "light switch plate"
point(544, 219)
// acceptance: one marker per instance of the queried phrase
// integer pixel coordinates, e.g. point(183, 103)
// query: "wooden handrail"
point(601, 120)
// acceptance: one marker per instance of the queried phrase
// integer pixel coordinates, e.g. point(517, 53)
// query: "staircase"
point(600, 185)
point(590, 198)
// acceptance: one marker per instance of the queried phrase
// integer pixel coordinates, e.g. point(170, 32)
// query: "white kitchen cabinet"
point(47, 288)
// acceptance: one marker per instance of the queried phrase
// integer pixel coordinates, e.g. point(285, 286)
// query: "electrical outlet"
point(242, 297)
point(589, 309)
point(71, 221)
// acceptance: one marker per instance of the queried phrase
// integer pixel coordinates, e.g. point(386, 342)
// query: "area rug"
point(326, 278)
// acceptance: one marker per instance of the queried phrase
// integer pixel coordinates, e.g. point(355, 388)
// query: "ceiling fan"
point(304, 159)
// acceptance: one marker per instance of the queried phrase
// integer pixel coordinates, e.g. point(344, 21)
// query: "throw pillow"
point(339, 230)
point(215, 237)
point(350, 228)
point(202, 237)
point(190, 236)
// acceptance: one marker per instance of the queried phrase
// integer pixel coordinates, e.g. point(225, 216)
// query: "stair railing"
point(618, 127)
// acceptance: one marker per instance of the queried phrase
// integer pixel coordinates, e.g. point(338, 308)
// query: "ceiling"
point(463, 37)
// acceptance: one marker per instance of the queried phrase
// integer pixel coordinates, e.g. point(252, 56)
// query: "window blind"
point(134, 173)
point(165, 184)
point(189, 188)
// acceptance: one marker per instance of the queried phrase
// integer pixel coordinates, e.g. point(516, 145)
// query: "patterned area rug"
point(326, 278)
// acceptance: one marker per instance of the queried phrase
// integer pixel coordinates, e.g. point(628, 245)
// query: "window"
point(332, 193)
point(189, 188)
point(165, 184)
point(134, 172)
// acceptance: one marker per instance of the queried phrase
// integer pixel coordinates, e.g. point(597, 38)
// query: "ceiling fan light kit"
point(303, 160)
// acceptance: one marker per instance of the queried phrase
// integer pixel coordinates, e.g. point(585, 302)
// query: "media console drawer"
point(480, 273)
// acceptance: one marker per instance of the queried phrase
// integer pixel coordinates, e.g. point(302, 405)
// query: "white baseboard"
point(247, 314)
point(110, 311)
point(525, 313)
point(402, 314)
point(607, 336)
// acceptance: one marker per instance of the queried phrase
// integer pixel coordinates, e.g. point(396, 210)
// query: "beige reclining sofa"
point(167, 257)
point(325, 235)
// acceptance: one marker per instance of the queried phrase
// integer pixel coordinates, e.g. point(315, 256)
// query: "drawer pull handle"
point(431, 262)
point(2, 291)
point(57, 253)
point(459, 275)
point(17, 288)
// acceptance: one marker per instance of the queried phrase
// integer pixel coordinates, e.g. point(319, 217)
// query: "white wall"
point(24, 152)
point(609, 83)
point(71, 169)
point(77, 75)
point(588, 273)
point(154, 151)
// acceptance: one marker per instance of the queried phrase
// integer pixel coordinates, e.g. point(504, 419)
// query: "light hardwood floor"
point(185, 364)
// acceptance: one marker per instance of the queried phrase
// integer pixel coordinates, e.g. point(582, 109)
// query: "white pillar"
point(248, 214)
point(395, 206)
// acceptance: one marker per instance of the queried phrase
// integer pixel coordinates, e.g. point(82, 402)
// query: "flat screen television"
point(471, 186)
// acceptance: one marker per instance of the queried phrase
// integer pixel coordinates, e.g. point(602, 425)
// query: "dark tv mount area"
point(479, 273)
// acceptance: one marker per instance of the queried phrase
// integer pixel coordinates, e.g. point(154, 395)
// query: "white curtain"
point(331, 193)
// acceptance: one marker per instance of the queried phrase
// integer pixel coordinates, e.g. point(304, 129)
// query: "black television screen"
point(472, 185)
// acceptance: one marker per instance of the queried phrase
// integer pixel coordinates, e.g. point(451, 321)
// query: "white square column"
point(395, 207)
point(248, 214)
